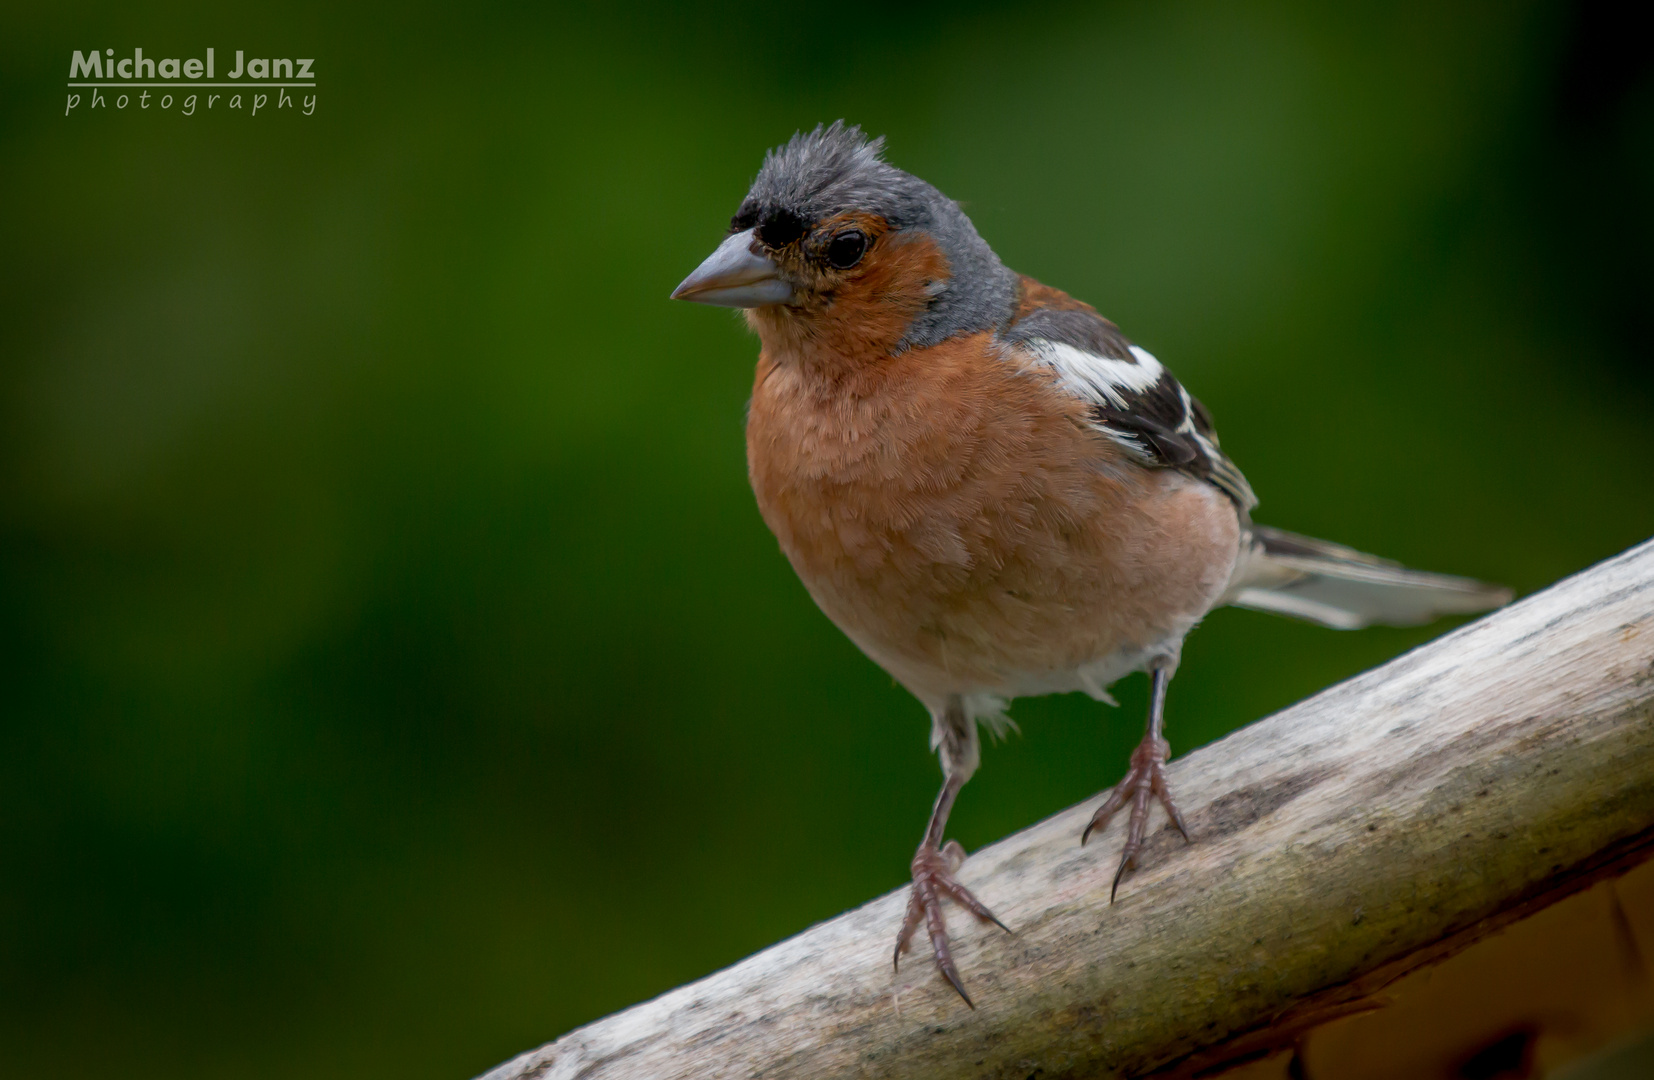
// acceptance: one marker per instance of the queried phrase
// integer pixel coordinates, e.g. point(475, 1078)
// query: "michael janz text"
point(100, 80)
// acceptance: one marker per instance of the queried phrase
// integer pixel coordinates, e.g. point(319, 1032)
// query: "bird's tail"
point(1345, 589)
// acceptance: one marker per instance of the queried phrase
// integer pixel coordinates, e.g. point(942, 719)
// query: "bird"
point(989, 488)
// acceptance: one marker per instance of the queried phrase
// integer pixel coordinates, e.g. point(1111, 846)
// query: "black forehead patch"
point(745, 218)
point(777, 226)
point(780, 226)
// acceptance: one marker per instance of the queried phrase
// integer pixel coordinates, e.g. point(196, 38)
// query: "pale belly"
point(1021, 597)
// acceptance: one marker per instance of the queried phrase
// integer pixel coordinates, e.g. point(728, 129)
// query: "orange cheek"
point(892, 287)
point(856, 317)
point(904, 268)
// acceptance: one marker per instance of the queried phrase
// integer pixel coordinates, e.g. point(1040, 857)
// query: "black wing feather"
point(1159, 421)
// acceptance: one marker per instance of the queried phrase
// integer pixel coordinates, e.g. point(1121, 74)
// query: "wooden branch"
point(1386, 818)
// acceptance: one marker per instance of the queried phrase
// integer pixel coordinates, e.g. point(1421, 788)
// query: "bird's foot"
point(1147, 777)
point(933, 879)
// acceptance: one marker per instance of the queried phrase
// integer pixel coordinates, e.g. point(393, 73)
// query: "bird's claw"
point(933, 879)
point(1146, 778)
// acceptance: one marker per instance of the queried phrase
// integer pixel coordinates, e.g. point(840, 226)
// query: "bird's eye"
point(846, 249)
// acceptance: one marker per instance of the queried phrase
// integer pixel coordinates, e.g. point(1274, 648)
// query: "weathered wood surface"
point(1372, 821)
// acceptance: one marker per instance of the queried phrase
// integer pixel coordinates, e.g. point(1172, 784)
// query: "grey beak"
point(735, 276)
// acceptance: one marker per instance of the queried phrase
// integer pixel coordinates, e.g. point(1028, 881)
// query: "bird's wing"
point(1131, 397)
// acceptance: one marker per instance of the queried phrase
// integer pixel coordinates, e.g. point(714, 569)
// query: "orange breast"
point(955, 515)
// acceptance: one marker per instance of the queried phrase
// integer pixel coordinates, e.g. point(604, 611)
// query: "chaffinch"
point(987, 486)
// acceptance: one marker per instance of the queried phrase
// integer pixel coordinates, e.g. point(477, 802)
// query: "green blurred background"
point(394, 670)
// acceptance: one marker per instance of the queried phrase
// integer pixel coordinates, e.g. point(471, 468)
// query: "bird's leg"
point(1146, 778)
point(934, 863)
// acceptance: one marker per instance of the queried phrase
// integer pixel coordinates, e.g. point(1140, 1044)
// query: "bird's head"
point(834, 251)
